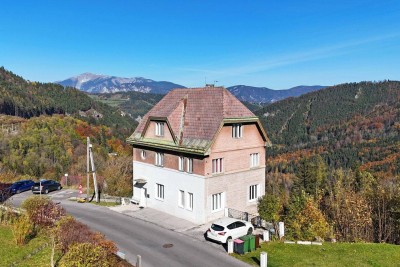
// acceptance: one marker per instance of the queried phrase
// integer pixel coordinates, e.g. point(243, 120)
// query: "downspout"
point(182, 124)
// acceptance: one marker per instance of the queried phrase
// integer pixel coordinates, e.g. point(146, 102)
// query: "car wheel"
point(250, 231)
point(46, 191)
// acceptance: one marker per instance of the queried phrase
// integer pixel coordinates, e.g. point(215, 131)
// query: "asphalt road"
point(136, 237)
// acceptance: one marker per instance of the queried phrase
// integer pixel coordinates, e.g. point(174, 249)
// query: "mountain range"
point(97, 84)
point(266, 95)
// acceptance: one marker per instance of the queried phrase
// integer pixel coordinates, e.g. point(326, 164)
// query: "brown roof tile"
point(203, 110)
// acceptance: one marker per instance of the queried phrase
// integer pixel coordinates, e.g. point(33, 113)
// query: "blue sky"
point(276, 44)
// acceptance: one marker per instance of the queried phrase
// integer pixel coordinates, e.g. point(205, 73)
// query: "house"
point(196, 152)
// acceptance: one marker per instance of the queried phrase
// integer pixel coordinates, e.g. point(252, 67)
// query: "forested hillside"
point(333, 170)
point(22, 98)
point(49, 146)
point(348, 123)
point(43, 135)
point(134, 104)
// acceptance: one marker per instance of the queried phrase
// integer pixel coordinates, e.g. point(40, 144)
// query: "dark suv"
point(46, 186)
point(21, 186)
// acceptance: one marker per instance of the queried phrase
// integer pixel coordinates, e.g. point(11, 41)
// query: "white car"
point(228, 228)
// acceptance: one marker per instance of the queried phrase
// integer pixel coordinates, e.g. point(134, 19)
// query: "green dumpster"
point(246, 240)
point(252, 243)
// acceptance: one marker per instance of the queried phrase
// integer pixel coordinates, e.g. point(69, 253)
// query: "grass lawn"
point(10, 252)
point(102, 203)
point(329, 254)
point(105, 204)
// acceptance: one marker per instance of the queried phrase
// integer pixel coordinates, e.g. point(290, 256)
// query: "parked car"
point(228, 228)
point(4, 192)
point(45, 186)
point(21, 186)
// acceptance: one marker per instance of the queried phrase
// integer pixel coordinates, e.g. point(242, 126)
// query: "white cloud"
point(286, 60)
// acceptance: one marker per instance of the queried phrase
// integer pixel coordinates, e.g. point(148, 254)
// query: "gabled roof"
point(195, 116)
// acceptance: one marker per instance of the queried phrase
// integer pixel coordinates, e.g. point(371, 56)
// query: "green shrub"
point(85, 255)
point(269, 208)
point(310, 223)
point(22, 230)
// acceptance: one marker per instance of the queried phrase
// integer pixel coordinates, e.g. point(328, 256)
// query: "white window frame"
point(254, 192)
point(189, 201)
point(189, 165)
point(159, 159)
point(237, 131)
point(254, 160)
point(218, 165)
point(181, 164)
point(159, 129)
point(160, 192)
point(217, 202)
point(181, 198)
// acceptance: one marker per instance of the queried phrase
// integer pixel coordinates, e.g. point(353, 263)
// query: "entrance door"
point(142, 201)
point(139, 193)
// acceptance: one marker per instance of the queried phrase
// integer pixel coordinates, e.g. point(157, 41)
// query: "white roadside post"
point(230, 246)
point(281, 230)
point(139, 261)
point(266, 236)
point(263, 259)
point(66, 179)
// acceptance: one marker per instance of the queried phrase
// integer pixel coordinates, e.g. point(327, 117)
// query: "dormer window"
point(237, 130)
point(159, 129)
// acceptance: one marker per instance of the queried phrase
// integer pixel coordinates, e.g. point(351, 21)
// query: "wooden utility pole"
point(96, 191)
point(90, 158)
point(87, 168)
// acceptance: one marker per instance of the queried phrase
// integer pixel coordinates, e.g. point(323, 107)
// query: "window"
point(217, 165)
point(217, 204)
point(160, 191)
point(181, 163)
point(143, 154)
point(254, 160)
point(159, 128)
point(159, 161)
point(190, 201)
point(189, 165)
point(217, 227)
point(239, 224)
point(181, 199)
point(231, 226)
point(254, 192)
point(237, 131)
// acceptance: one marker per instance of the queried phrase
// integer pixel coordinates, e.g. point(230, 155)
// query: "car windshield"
point(217, 227)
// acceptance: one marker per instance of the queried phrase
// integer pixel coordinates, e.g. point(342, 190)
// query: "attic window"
point(237, 131)
point(159, 129)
